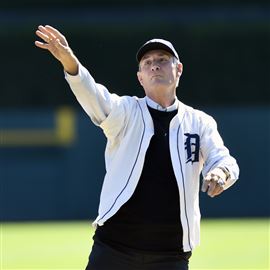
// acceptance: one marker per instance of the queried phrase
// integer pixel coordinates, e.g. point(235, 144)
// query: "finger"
point(41, 45)
point(42, 29)
point(57, 34)
point(46, 31)
point(54, 31)
point(211, 188)
point(208, 177)
point(205, 185)
point(215, 177)
point(218, 189)
point(42, 36)
point(215, 189)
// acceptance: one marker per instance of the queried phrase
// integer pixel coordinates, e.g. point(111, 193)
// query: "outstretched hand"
point(57, 45)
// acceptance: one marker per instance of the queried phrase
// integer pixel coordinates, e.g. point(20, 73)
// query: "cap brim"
point(153, 46)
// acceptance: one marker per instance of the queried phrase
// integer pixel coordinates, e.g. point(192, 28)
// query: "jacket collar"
point(151, 103)
point(148, 119)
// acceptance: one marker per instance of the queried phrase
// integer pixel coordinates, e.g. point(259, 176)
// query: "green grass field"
point(225, 244)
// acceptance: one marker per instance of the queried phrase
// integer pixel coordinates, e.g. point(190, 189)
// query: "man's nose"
point(155, 67)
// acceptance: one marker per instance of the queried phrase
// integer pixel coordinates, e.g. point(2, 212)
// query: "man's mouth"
point(156, 76)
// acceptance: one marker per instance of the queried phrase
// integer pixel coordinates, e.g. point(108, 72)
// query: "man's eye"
point(162, 60)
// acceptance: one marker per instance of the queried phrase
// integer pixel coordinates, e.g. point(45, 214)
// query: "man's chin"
point(159, 82)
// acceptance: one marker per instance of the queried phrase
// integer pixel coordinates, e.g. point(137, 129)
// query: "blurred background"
point(52, 156)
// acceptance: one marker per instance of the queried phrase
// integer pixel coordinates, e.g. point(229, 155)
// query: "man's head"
point(159, 67)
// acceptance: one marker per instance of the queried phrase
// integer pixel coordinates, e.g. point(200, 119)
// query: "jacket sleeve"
point(97, 102)
point(214, 152)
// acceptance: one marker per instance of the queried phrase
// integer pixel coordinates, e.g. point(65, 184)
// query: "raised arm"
point(57, 45)
point(94, 98)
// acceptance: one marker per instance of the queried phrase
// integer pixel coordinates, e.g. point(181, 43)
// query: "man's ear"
point(139, 76)
point(179, 69)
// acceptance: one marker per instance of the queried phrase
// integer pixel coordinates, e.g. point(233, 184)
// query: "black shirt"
point(150, 219)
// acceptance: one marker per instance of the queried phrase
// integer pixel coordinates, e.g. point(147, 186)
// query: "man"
point(156, 149)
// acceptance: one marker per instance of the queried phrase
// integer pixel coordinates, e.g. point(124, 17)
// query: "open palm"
point(57, 45)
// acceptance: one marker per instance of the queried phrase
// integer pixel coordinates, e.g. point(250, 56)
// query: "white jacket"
point(195, 147)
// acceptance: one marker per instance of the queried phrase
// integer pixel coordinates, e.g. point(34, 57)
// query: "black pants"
point(104, 257)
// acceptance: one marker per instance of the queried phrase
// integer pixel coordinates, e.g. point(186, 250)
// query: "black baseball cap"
point(156, 44)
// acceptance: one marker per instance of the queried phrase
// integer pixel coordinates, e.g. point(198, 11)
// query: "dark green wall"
point(110, 3)
point(64, 182)
point(224, 49)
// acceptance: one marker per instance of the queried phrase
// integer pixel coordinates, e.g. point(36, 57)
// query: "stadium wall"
point(48, 176)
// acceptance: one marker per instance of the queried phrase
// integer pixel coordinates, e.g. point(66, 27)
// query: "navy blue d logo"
point(192, 146)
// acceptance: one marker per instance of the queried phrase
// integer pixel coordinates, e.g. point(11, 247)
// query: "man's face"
point(159, 71)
